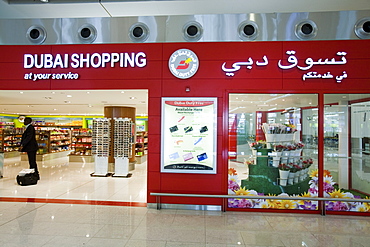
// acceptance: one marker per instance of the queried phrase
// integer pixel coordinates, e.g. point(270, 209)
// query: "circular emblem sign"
point(183, 63)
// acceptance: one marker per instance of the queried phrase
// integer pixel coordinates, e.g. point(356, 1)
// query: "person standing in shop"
point(29, 144)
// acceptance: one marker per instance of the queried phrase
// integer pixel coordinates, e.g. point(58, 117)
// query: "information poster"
point(189, 135)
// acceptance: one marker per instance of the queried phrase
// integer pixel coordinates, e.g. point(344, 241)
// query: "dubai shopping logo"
point(183, 63)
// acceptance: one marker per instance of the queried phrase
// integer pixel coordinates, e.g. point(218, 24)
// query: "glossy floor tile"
point(61, 179)
point(50, 224)
point(30, 221)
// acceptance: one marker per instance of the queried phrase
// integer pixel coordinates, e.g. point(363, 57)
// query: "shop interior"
point(64, 125)
point(265, 127)
point(67, 163)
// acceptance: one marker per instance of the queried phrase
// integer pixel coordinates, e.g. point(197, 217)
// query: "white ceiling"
point(106, 8)
point(72, 102)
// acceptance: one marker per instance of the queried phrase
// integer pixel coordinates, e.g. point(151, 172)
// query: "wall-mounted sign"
point(292, 62)
point(183, 63)
point(189, 135)
point(78, 60)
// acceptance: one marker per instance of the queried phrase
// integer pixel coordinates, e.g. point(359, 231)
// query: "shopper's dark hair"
point(28, 120)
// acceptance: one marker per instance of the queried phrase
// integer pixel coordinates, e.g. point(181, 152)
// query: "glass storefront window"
point(273, 149)
point(346, 150)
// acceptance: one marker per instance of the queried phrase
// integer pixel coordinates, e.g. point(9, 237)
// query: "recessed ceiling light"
point(55, 109)
point(132, 97)
point(88, 92)
point(122, 91)
point(69, 96)
point(21, 92)
point(47, 97)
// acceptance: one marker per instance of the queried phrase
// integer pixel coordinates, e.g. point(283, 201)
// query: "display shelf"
point(47, 125)
point(81, 145)
point(60, 140)
point(10, 141)
point(6, 125)
point(141, 146)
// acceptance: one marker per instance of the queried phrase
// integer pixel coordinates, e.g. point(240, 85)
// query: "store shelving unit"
point(60, 141)
point(10, 139)
point(141, 146)
point(81, 146)
point(53, 144)
point(6, 125)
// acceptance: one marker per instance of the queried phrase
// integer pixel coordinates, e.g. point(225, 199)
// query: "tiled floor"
point(35, 224)
point(61, 179)
point(70, 224)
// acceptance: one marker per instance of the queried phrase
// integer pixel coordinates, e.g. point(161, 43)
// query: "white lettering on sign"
point(95, 60)
point(47, 76)
point(79, 60)
point(292, 62)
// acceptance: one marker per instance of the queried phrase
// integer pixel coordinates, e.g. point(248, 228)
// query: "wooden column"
point(119, 112)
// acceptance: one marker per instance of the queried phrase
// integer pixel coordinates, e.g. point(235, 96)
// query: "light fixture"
point(187, 89)
point(44, 1)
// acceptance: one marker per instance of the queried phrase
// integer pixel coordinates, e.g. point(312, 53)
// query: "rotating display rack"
point(101, 129)
point(123, 141)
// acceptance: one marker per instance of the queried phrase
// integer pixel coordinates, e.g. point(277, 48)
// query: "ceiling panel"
point(72, 102)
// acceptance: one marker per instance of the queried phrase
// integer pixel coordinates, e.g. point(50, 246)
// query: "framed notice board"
point(189, 135)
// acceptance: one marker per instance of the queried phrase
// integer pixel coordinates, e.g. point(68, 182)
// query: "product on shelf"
point(81, 142)
point(141, 146)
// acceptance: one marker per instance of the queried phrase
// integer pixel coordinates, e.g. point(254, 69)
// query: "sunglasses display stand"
point(123, 141)
point(100, 145)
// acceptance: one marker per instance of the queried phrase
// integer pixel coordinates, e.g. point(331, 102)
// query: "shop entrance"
point(65, 157)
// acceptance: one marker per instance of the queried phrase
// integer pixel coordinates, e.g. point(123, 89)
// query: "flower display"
point(278, 128)
point(258, 145)
point(284, 167)
point(329, 192)
point(279, 148)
